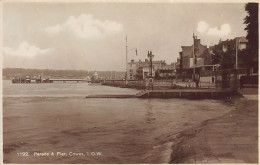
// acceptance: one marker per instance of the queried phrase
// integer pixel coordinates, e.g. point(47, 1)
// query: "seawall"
point(158, 84)
point(176, 93)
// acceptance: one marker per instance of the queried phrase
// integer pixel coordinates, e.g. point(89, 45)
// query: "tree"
point(251, 20)
point(157, 74)
point(225, 57)
point(242, 56)
point(229, 55)
point(216, 57)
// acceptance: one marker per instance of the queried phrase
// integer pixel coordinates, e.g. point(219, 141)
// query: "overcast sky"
point(91, 36)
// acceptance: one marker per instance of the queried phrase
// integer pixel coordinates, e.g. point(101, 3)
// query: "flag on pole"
point(194, 37)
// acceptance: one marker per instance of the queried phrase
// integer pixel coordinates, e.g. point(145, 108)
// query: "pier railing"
point(167, 84)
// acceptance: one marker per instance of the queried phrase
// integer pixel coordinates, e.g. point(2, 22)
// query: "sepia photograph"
point(134, 82)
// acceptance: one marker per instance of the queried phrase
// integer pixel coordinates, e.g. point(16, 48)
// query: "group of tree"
point(251, 20)
point(8, 73)
point(249, 56)
point(224, 54)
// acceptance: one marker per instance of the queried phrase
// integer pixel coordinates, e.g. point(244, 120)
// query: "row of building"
point(192, 59)
point(138, 70)
point(200, 56)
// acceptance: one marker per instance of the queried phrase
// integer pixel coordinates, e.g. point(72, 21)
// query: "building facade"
point(194, 56)
point(167, 71)
point(139, 70)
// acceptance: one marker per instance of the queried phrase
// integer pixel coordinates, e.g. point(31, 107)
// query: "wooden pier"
point(68, 79)
point(176, 93)
point(111, 96)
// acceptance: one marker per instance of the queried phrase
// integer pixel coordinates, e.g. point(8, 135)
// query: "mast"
point(126, 59)
point(193, 54)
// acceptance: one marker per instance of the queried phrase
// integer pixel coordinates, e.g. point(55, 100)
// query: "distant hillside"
point(8, 73)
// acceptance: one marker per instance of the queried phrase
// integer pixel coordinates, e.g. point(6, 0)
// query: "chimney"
point(197, 42)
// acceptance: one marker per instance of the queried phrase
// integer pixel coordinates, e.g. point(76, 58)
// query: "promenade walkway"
point(250, 93)
point(231, 138)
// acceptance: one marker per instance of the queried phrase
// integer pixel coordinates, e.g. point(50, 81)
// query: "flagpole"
point(193, 54)
point(126, 60)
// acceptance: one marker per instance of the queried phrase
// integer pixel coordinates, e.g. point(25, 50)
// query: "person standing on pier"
point(197, 80)
point(241, 83)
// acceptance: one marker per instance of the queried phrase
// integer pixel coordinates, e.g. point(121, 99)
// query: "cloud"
point(223, 31)
point(54, 29)
point(26, 50)
point(202, 27)
point(205, 28)
point(86, 26)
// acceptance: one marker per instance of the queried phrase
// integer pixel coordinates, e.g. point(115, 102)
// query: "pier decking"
point(111, 96)
point(176, 93)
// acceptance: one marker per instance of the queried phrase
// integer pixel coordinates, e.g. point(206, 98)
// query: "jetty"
point(176, 93)
point(69, 79)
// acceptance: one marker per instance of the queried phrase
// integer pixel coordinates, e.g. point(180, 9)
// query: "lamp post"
point(126, 61)
point(237, 42)
point(194, 37)
point(150, 80)
point(150, 56)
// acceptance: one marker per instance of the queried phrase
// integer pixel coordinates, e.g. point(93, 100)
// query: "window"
point(242, 46)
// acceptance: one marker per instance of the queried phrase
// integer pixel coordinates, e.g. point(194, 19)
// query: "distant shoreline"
point(8, 73)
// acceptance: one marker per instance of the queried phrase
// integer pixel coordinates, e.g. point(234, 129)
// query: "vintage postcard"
point(136, 82)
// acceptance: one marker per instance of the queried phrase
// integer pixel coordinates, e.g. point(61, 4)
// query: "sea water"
point(55, 123)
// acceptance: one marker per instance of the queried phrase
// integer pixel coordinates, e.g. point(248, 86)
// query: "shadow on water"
point(149, 116)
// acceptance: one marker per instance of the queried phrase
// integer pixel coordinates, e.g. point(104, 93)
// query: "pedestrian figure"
point(197, 83)
point(146, 84)
point(197, 80)
point(241, 83)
